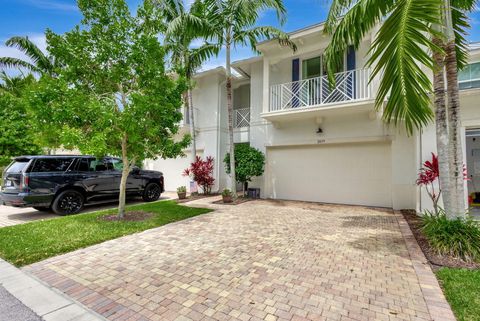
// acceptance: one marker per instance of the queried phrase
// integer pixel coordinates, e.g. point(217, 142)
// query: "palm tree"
point(412, 34)
point(183, 27)
point(14, 84)
point(232, 23)
point(39, 62)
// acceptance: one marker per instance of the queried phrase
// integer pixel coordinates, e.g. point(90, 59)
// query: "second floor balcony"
point(350, 86)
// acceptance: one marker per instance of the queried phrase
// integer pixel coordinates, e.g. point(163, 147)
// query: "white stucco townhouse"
point(321, 145)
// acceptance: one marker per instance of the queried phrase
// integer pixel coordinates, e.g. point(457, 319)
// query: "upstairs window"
point(469, 77)
point(316, 67)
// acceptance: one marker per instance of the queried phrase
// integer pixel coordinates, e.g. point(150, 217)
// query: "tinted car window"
point(17, 166)
point(52, 164)
point(84, 165)
point(117, 164)
point(100, 165)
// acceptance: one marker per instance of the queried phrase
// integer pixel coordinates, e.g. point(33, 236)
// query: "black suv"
point(65, 183)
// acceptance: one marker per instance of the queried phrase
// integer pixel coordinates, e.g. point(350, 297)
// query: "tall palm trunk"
point(191, 115)
point(442, 126)
point(455, 133)
point(230, 121)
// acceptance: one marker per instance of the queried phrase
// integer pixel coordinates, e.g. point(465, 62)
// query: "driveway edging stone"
point(436, 302)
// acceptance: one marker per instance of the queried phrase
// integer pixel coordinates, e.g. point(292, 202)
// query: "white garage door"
point(357, 173)
point(172, 170)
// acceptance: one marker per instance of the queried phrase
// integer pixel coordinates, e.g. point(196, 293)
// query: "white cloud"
point(53, 5)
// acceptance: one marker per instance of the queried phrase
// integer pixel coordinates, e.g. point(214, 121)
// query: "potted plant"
point(227, 196)
point(182, 192)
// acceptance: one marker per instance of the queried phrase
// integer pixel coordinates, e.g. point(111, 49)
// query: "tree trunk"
point(230, 123)
point(442, 127)
point(191, 115)
point(455, 133)
point(123, 181)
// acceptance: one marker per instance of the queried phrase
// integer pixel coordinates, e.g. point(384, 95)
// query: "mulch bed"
point(238, 201)
point(133, 216)
point(437, 261)
point(194, 198)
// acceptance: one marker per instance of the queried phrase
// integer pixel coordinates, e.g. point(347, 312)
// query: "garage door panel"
point(347, 174)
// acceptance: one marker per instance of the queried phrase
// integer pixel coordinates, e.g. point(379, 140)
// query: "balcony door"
point(316, 87)
point(311, 73)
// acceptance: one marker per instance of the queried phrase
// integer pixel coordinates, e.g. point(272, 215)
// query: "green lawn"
point(32, 242)
point(462, 289)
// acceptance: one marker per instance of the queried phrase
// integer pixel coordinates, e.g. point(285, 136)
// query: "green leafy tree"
point(413, 36)
point(112, 95)
point(232, 23)
point(38, 61)
point(249, 163)
point(16, 135)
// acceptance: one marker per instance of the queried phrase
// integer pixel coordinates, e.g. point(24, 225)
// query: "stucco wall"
point(470, 118)
point(206, 99)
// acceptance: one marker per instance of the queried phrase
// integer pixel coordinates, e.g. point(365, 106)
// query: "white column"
point(266, 84)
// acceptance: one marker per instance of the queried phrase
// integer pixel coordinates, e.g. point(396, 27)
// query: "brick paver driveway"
point(14, 215)
point(260, 260)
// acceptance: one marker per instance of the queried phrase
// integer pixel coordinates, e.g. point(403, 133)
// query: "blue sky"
point(32, 17)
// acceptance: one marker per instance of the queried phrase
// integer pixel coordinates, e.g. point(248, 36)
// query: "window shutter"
point(351, 65)
point(351, 58)
point(295, 69)
point(295, 77)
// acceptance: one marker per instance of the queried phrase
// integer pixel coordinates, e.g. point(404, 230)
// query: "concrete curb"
point(46, 302)
point(437, 305)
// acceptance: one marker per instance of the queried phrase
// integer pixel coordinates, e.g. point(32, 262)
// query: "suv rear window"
point(52, 164)
point(18, 166)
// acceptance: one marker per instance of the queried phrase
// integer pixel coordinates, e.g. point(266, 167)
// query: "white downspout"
point(420, 163)
point(219, 161)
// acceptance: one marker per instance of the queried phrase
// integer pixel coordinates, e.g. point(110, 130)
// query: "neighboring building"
point(321, 144)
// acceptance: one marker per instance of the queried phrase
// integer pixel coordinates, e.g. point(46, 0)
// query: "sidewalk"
point(24, 298)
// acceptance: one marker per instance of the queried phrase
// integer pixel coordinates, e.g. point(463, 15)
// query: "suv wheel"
point(68, 202)
point(151, 192)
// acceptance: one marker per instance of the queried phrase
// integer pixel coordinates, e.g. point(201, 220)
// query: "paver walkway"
point(261, 260)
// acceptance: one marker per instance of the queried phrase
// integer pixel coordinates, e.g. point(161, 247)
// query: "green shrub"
point(458, 237)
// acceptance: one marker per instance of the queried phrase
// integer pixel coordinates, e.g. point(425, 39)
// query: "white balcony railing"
point(241, 117)
point(350, 86)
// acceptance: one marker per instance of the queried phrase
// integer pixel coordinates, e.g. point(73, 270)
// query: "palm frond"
point(361, 17)
point(199, 55)
point(337, 9)
point(252, 36)
point(399, 54)
point(460, 10)
point(39, 59)
point(10, 62)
